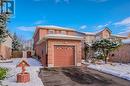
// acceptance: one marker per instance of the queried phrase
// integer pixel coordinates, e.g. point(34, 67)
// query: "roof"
point(90, 33)
point(55, 27)
point(126, 41)
point(60, 36)
point(97, 32)
point(52, 27)
point(119, 36)
point(23, 63)
point(106, 28)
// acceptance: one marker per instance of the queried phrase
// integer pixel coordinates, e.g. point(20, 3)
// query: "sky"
point(81, 15)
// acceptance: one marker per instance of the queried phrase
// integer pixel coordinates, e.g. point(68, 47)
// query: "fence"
point(17, 54)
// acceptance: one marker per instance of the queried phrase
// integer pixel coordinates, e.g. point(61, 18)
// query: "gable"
point(107, 30)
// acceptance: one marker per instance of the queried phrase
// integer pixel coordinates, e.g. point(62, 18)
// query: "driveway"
point(79, 76)
point(13, 71)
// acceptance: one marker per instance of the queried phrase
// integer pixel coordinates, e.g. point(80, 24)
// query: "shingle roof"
point(89, 33)
point(55, 27)
point(119, 35)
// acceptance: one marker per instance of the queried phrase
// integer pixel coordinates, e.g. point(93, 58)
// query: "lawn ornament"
point(23, 77)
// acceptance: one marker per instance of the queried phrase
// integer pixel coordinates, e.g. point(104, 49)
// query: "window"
point(63, 32)
point(50, 31)
point(57, 32)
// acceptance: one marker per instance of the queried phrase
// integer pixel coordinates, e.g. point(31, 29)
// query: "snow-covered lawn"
point(13, 71)
point(116, 69)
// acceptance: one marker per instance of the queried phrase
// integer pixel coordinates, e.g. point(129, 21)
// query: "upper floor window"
point(50, 31)
point(57, 32)
point(63, 32)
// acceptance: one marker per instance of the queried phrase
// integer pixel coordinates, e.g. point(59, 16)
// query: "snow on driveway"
point(13, 71)
point(116, 69)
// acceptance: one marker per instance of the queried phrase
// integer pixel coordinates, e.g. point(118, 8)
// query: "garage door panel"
point(63, 55)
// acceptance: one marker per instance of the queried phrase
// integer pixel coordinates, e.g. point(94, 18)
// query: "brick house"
point(57, 46)
point(105, 33)
point(6, 48)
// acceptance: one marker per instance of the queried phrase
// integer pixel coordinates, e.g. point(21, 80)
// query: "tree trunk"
point(105, 59)
point(105, 55)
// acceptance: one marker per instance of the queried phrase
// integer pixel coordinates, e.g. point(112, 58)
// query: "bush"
point(3, 73)
point(100, 57)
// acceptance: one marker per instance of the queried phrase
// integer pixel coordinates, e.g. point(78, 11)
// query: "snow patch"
point(117, 69)
point(13, 71)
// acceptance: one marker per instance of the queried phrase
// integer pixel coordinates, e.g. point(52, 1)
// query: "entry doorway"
point(29, 54)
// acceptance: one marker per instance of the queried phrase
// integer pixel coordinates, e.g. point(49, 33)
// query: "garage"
point(64, 56)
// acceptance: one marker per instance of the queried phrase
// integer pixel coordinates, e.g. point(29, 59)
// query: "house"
point(105, 33)
point(6, 48)
point(58, 46)
point(28, 48)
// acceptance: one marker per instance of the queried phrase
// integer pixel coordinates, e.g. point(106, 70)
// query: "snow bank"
point(122, 71)
point(13, 71)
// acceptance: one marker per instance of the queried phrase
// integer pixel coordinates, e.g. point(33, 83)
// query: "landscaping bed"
point(75, 76)
point(3, 73)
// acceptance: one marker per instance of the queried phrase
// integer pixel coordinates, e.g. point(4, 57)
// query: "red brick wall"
point(36, 37)
point(122, 54)
point(42, 33)
point(40, 51)
point(105, 34)
point(71, 33)
point(51, 44)
point(5, 51)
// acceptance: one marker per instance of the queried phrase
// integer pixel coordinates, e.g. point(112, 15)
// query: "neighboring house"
point(106, 33)
point(89, 37)
point(57, 46)
point(122, 54)
point(6, 48)
point(28, 48)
